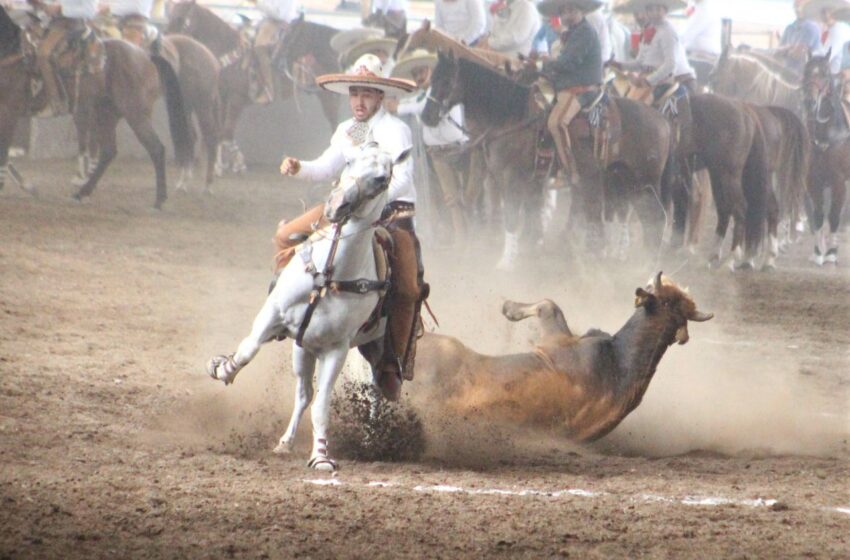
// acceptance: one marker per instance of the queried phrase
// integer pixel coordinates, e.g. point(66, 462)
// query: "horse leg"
point(836, 208)
point(772, 249)
point(208, 123)
point(104, 135)
point(653, 218)
point(304, 364)
point(511, 216)
point(143, 129)
point(265, 327)
point(187, 170)
point(552, 320)
point(723, 207)
point(329, 367)
point(816, 193)
point(701, 186)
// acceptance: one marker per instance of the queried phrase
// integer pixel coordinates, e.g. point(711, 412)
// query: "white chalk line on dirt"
point(448, 489)
point(650, 498)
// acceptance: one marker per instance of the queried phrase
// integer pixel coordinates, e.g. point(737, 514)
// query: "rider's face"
point(656, 13)
point(422, 76)
point(571, 15)
point(364, 102)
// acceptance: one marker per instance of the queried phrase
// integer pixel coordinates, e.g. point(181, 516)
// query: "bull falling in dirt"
point(581, 386)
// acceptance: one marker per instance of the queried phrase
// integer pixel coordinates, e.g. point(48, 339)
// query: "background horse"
point(338, 319)
point(236, 58)
point(757, 78)
point(830, 167)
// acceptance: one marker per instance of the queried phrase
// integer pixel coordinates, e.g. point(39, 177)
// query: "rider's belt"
point(397, 210)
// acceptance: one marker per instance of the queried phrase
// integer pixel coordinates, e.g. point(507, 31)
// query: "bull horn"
point(700, 317)
point(657, 284)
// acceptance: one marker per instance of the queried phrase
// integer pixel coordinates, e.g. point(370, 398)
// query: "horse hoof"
point(323, 464)
point(78, 197)
point(768, 267)
point(283, 448)
point(743, 266)
point(78, 181)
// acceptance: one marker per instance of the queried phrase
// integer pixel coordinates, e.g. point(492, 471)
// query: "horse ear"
point(426, 24)
point(403, 156)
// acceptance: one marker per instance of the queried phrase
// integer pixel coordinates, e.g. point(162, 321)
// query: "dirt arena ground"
point(114, 443)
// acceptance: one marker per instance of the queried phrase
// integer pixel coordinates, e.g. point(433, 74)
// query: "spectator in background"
point(703, 38)
point(515, 23)
point(836, 33)
point(800, 39)
point(463, 20)
point(390, 15)
point(599, 23)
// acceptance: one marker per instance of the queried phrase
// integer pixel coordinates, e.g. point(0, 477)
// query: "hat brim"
point(633, 6)
point(813, 9)
point(553, 8)
point(344, 40)
point(341, 83)
point(369, 46)
point(404, 68)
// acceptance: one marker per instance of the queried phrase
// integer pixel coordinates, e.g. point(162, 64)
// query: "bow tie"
point(648, 34)
point(358, 132)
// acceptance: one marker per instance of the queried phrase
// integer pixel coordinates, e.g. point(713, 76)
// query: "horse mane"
point(10, 34)
point(768, 83)
point(498, 98)
point(774, 64)
point(435, 40)
point(215, 26)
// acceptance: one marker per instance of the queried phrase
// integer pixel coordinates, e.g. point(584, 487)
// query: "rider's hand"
point(290, 166)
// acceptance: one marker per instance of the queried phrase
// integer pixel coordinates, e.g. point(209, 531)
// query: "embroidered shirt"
point(388, 131)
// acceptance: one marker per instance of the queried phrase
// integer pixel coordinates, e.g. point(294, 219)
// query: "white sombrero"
point(813, 8)
point(369, 46)
point(344, 40)
point(366, 72)
point(553, 8)
point(633, 6)
point(417, 59)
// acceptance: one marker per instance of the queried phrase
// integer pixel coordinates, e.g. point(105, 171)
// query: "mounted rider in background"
point(134, 21)
point(800, 39)
point(514, 24)
point(277, 15)
point(576, 70)
point(366, 88)
point(69, 45)
point(703, 39)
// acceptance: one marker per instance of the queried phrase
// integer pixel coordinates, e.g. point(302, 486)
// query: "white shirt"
point(665, 54)
point(389, 132)
point(463, 20)
point(281, 10)
point(121, 8)
point(79, 9)
point(446, 132)
point(515, 33)
point(836, 38)
point(597, 21)
point(385, 6)
point(704, 29)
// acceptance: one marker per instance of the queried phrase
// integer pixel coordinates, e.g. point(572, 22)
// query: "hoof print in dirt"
point(369, 428)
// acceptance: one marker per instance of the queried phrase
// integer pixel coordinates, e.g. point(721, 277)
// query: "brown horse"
point(830, 167)
point(501, 114)
point(236, 58)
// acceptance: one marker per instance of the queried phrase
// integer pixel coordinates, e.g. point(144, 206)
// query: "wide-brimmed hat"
point(633, 6)
point(814, 8)
point(344, 40)
point(368, 72)
point(553, 8)
point(418, 58)
point(369, 46)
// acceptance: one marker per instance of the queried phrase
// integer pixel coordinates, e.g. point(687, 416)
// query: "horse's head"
point(817, 77)
point(445, 89)
point(723, 78)
point(181, 18)
point(668, 307)
point(361, 190)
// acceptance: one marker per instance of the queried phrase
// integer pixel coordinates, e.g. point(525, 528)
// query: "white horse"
point(342, 306)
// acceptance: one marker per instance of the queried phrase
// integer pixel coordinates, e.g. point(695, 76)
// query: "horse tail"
point(795, 156)
point(178, 119)
point(755, 181)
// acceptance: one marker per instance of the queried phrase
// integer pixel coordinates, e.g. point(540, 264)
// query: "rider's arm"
point(573, 52)
point(668, 43)
point(327, 166)
point(401, 185)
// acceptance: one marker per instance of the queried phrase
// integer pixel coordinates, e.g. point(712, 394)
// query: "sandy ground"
point(113, 443)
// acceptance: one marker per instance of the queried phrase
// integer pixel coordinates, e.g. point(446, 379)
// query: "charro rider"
point(69, 27)
point(514, 25)
point(576, 70)
point(662, 60)
point(800, 39)
point(277, 14)
point(366, 87)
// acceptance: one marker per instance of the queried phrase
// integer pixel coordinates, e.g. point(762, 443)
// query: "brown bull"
point(581, 386)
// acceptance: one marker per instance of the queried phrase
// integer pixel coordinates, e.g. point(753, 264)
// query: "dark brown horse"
point(830, 167)
point(502, 114)
point(236, 57)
